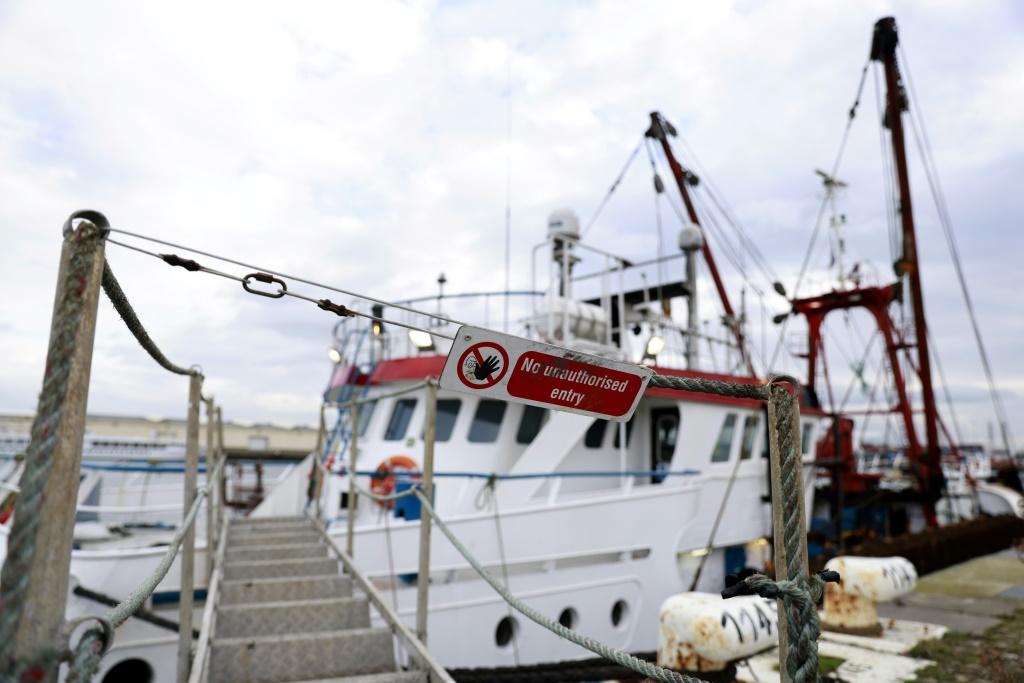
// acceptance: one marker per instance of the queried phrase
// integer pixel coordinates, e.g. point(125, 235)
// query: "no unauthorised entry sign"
point(501, 366)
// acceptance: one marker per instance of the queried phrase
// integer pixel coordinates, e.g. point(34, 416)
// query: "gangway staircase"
point(285, 612)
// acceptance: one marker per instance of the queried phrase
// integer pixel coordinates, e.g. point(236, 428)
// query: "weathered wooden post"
point(350, 540)
point(786, 458)
point(423, 577)
point(188, 550)
point(34, 582)
point(211, 502)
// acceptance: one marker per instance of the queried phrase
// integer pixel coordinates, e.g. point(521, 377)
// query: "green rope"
point(798, 602)
point(616, 655)
point(84, 246)
point(124, 309)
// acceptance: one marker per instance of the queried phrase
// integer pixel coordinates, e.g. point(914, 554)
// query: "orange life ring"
point(382, 483)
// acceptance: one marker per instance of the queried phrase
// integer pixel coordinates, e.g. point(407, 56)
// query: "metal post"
point(782, 564)
point(46, 574)
point(318, 469)
point(691, 310)
point(188, 547)
point(221, 476)
point(350, 540)
point(211, 522)
point(423, 576)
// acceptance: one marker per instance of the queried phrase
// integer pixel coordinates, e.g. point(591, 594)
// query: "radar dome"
point(564, 223)
point(691, 237)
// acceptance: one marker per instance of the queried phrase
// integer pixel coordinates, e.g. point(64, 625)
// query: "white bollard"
point(704, 632)
point(850, 605)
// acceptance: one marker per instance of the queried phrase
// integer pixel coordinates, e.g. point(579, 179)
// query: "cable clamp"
point(175, 260)
point(337, 309)
point(265, 278)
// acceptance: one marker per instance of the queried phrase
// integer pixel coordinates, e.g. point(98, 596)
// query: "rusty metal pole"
point(211, 503)
point(42, 615)
point(185, 604)
point(353, 454)
point(423, 575)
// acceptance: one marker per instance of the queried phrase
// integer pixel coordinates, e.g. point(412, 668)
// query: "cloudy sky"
point(366, 145)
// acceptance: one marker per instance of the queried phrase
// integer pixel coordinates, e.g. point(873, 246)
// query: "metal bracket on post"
point(788, 519)
point(185, 605)
point(353, 454)
point(423, 575)
point(34, 582)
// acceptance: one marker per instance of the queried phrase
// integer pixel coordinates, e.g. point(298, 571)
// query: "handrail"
point(206, 630)
point(94, 643)
point(416, 648)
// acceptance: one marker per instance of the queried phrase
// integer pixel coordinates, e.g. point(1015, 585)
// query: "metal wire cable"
point(286, 292)
point(611, 190)
point(851, 115)
point(313, 283)
point(945, 220)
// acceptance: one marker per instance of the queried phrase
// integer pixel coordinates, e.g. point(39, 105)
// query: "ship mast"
point(883, 49)
point(660, 130)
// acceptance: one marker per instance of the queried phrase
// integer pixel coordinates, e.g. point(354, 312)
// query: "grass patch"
point(995, 655)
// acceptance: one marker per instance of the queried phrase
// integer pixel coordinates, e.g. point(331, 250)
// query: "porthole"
point(620, 610)
point(130, 671)
point(507, 629)
point(568, 618)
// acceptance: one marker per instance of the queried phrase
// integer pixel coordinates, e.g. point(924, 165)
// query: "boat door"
point(664, 433)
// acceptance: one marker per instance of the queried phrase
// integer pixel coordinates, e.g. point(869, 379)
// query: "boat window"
point(365, 413)
point(400, 417)
point(629, 432)
point(530, 423)
point(487, 421)
point(749, 432)
point(805, 439)
point(447, 411)
point(595, 434)
point(724, 444)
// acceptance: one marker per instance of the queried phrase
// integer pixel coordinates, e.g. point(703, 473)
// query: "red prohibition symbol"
point(482, 365)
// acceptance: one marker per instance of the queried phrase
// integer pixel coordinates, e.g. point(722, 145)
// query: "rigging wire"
point(718, 200)
point(611, 190)
point(659, 189)
point(225, 259)
point(945, 220)
point(851, 115)
point(338, 310)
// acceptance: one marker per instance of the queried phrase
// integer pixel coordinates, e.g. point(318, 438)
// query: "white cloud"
point(365, 144)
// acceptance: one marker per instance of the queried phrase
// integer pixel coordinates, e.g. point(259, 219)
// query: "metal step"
point(252, 553)
point(302, 657)
point(275, 528)
point(390, 677)
point(250, 591)
point(243, 521)
point(304, 537)
point(268, 569)
point(306, 616)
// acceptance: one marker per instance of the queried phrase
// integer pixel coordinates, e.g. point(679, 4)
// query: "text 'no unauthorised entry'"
point(501, 366)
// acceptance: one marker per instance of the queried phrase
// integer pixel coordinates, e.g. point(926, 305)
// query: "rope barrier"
point(85, 245)
point(757, 392)
point(572, 474)
point(90, 649)
point(614, 654)
point(124, 309)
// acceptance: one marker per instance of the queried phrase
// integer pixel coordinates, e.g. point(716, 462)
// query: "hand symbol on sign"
point(484, 370)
